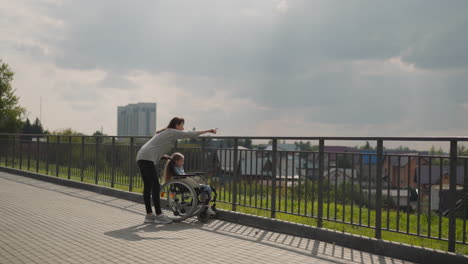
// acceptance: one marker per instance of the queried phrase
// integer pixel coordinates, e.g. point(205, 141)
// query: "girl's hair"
point(175, 121)
point(172, 124)
point(168, 171)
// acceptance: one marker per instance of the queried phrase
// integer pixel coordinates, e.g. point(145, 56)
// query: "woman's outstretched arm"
point(212, 131)
point(179, 134)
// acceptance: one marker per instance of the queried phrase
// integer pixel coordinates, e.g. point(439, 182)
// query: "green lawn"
point(289, 199)
point(364, 231)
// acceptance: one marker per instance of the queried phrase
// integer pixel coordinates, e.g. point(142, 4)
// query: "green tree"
point(229, 143)
point(403, 148)
point(26, 129)
point(306, 146)
point(247, 143)
point(69, 132)
point(367, 146)
point(10, 110)
point(462, 150)
point(36, 127)
point(98, 135)
point(438, 152)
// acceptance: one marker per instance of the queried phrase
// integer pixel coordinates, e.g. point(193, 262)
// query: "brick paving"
point(42, 222)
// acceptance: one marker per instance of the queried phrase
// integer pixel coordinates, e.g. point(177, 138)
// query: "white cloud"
point(282, 6)
point(390, 66)
point(250, 68)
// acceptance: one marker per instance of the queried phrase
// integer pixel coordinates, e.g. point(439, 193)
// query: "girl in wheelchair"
point(186, 191)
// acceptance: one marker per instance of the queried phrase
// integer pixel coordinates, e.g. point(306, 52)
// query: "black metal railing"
point(413, 194)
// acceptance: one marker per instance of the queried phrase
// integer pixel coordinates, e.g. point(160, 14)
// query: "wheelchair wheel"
point(203, 216)
point(180, 198)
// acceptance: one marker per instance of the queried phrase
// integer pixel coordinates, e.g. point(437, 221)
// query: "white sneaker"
point(162, 219)
point(210, 211)
point(150, 218)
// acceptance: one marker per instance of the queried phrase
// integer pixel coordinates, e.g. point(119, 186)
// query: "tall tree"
point(27, 127)
point(305, 146)
point(367, 146)
point(69, 132)
point(248, 143)
point(462, 150)
point(10, 110)
point(434, 151)
point(37, 128)
point(97, 134)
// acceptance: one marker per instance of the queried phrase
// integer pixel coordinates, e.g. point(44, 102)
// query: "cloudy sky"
point(262, 68)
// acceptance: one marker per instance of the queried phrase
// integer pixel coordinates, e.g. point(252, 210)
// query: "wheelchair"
point(185, 197)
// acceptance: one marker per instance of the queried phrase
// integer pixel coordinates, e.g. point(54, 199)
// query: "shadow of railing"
point(298, 245)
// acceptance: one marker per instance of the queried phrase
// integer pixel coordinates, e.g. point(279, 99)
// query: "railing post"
point(320, 182)
point(452, 195)
point(234, 175)
point(203, 155)
point(465, 194)
point(7, 149)
point(2, 149)
point(70, 149)
point(20, 150)
point(2, 144)
point(57, 146)
point(29, 154)
point(82, 158)
point(6, 144)
point(96, 161)
point(113, 163)
point(47, 155)
point(274, 162)
point(14, 152)
point(37, 154)
point(378, 191)
point(130, 165)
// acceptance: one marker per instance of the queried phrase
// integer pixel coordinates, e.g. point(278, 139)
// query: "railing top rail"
point(73, 136)
point(447, 138)
point(352, 138)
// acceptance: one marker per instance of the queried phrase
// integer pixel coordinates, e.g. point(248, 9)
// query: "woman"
point(150, 154)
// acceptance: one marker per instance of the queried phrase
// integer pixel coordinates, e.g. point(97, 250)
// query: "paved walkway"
point(46, 223)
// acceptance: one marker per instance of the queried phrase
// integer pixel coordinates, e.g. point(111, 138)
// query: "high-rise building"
point(136, 119)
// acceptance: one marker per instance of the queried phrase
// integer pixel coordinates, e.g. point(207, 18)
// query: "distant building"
point(136, 119)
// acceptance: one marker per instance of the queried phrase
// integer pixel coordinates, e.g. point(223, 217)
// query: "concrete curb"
point(371, 245)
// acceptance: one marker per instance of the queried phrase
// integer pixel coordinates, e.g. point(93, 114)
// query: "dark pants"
point(150, 185)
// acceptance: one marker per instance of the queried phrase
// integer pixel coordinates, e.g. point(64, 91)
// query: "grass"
point(290, 200)
point(366, 231)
